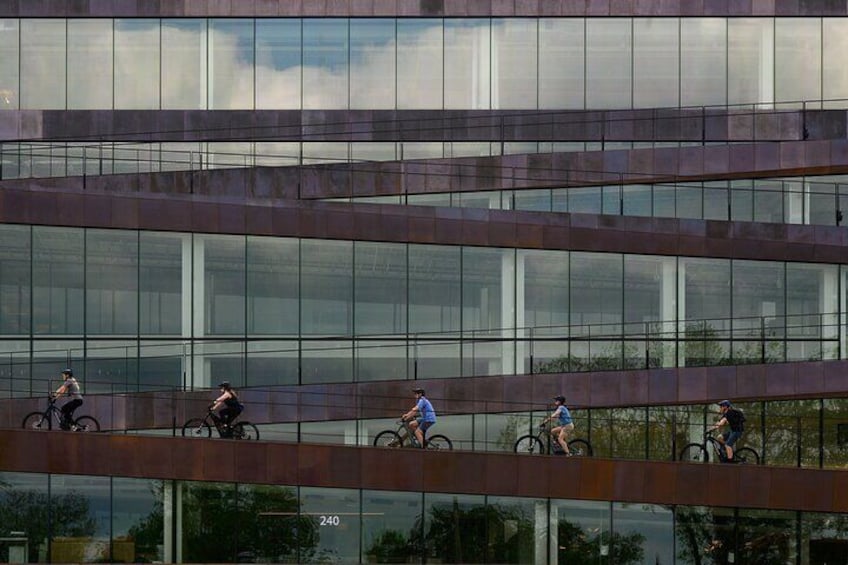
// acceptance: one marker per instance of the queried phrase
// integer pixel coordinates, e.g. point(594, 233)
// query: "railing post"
point(762, 339)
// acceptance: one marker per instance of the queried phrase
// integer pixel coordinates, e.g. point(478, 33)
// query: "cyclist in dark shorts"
point(71, 388)
point(736, 420)
point(228, 403)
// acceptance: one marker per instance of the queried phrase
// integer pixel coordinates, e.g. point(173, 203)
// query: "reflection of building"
point(321, 207)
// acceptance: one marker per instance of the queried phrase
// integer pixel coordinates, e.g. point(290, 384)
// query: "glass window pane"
point(703, 61)
point(767, 535)
point(325, 63)
point(207, 511)
point(656, 63)
point(750, 55)
point(705, 535)
point(184, 64)
point(643, 529)
point(380, 282)
point(580, 532)
point(467, 63)
point(90, 64)
point(15, 280)
point(514, 63)
point(278, 64)
point(272, 286)
point(335, 517)
point(608, 63)
point(24, 503)
point(391, 524)
point(455, 528)
point(81, 508)
point(270, 526)
point(834, 47)
point(596, 288)
point(138, 516)
point(162, 307)
point(231, 64)
point(111, 271)
point(43, 63)
point(137, 54)
point(706, 309)
point(9, 69)
point(434, 288)
point(162, 364)
point(223, 291)
point(798, 61)
point(561, 63)
point(58, 295)
point(372, 63)
point(420, 60)
point(515, 525)
point(326, 287)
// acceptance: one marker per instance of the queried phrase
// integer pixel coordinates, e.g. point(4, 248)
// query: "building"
point(637, 204)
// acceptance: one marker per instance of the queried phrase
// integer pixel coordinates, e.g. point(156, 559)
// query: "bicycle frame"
point(404, 436)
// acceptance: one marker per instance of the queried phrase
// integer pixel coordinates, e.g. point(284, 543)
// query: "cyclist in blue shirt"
point(426, 416)
point(564, 424)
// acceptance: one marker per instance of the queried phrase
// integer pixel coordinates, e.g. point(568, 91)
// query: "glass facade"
point(264, 310)
point(122, 520)
point(421, 63)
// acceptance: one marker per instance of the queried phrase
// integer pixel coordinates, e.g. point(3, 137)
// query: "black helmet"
point(724, 403)
point(68, 372)
point(224, 384)
point(560, 399)
point(418, 391)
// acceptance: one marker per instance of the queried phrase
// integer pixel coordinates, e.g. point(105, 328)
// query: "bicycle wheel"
point(746, 455)
point(86, 424)
point(694, 453)
point(245, 430)
point(198, 428)
point(37, 421)
point(388, 438)
point(580, 447)
point(529, 444)
point(439, 442)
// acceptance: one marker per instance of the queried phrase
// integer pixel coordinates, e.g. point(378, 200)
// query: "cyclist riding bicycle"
point(71, 387)
point(228, 404)
point(736, 420)
point(565, 424)
point(426, 416)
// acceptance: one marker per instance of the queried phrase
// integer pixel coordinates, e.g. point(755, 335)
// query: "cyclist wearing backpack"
point(228, 404)
point(736, 420)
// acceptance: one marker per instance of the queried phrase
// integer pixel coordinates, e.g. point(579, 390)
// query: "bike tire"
point(245, 430)
point(746, 455)
point(197, 428)
point(439, 442)
point(694, 453)
point(580, 447)
point(86, 424)
point(37, 421)
point(388, 438)
point(529, 444)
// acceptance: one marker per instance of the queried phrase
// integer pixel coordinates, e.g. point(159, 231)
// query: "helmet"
point(418, 391)
point(224, 384)
point(560, 399)
point(68, 372)
point(724, 403)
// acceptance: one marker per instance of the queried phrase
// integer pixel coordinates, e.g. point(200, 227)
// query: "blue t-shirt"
point(564, 416)
point(425, 409)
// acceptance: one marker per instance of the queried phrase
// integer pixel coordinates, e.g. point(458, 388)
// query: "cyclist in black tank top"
point(228, 403)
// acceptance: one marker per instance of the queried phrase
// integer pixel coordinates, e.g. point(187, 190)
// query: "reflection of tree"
point(575, 546)
point(614, 357)
point(479, 534)
point(266, 525)
point(390, 546)
point(31, 511)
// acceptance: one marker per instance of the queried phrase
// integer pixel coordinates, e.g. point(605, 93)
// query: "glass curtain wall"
point(263, 310)
point(421, 63)
point(97, 519)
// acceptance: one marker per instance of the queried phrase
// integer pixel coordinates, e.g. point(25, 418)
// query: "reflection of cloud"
point(407, 71)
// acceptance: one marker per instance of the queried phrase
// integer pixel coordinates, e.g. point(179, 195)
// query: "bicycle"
point(202, 428)
point(541, 442)
point(404, 436)
point(698, 452)
point(43, 420)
